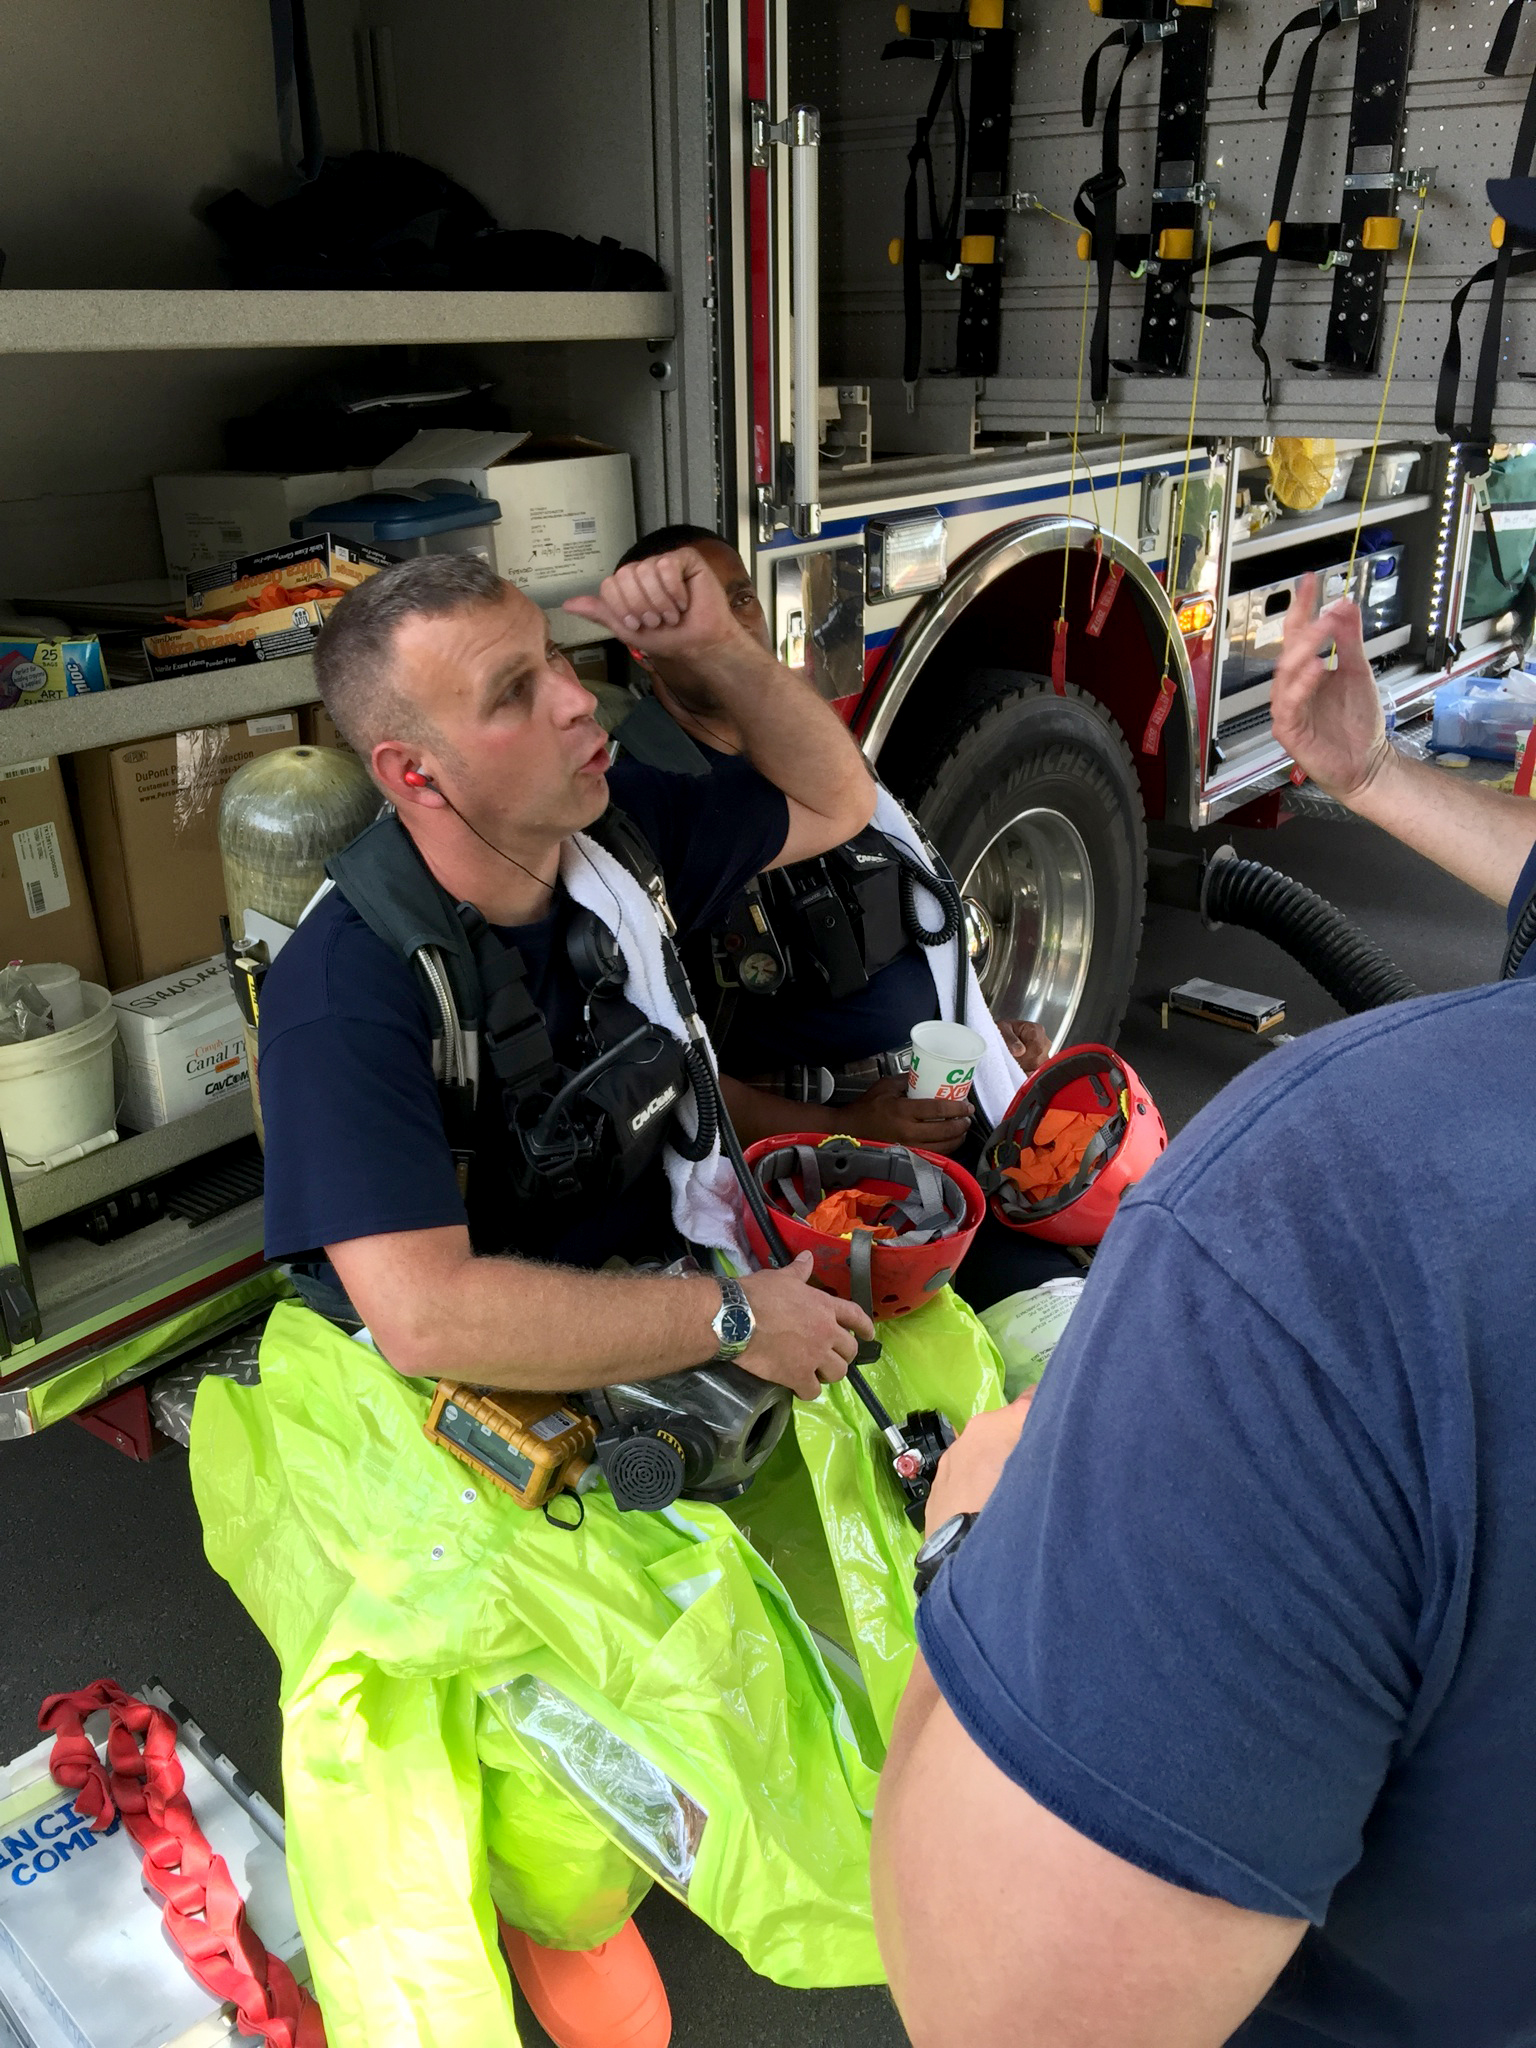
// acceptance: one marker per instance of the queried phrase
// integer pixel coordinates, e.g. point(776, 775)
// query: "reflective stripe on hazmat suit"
point(480, 1707)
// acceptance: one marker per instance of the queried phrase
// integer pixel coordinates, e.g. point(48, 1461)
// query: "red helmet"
point(886, 1224)
point(1079, 1132)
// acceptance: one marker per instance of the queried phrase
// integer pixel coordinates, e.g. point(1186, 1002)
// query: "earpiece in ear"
point(414, 779)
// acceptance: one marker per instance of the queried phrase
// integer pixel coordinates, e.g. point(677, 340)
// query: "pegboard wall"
point(1458, 119)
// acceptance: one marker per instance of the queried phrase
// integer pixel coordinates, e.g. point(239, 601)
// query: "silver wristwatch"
point(735, 1323)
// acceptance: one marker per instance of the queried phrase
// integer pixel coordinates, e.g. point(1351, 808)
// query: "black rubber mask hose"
point(1337, 955)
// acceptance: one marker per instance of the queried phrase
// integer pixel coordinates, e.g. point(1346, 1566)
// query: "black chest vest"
point(576, 1136)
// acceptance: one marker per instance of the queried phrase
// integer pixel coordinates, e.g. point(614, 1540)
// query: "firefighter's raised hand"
point(1328, 720)
point(803, 1339)
point(671, 607)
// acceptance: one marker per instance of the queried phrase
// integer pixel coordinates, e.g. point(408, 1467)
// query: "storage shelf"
point(138, 711)
point(96, 322)
point(132, 1160)
point(1290, 533)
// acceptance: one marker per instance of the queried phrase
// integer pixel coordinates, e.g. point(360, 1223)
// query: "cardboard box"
point(45, 908)
point(238, 643)
point(150, 815)
point(214, 518)
point(182, 1040)
point(296, 566)
point(32, 670)
point(567, 505)
point(317, 728)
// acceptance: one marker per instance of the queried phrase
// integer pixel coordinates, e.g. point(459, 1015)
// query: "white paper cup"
point(944, 1060)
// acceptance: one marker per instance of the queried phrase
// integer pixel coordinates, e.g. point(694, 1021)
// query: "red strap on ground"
point(1162, 704)
point(1059, 659)
point(1098, 618)
point(1527, 763)
point(204, 1912)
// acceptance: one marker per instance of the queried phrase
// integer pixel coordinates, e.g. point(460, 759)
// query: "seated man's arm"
point(672, 607)
point(999, 1924)
point(1330, 723)
point(885, 1114)
point(437, 1311)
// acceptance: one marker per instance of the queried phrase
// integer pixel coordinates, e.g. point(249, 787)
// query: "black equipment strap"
point(1383, 54)
point(942, 236)
point(1477, 433)
point(1324, 20)
point(1097, 201)
point(1183, 96)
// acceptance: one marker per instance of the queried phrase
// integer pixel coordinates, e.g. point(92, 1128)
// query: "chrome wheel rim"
point(1031, 892)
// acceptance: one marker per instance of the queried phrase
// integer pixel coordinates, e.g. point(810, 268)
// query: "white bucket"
point(57, 1095)
point(60, 985)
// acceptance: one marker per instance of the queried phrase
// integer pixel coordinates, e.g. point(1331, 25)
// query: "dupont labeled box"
point(181, 1040)
point(217, 516)
point(567, 505)
point(298, 568)
point(150, 814)
point(45, 909)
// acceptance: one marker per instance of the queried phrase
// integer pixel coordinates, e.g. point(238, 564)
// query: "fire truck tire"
point(1034, 802)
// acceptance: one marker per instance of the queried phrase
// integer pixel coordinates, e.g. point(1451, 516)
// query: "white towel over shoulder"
point(706, 1203)
point(998, 1077)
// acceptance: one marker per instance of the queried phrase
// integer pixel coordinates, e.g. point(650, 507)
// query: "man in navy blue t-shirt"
point(1225, 1723)
point(477, 729)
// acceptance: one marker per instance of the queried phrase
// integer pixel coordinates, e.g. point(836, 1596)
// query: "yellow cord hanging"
point(1189, 450)
point(1421, 200)
point(1077, 417)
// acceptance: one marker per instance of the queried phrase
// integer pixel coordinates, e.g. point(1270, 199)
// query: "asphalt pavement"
point(103, 1559)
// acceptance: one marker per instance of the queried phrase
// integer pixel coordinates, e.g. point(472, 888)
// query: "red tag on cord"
point(1098, 569)
point(1298, 777)
point(1059, 659)
point(1099, 616)
point(1152, 738)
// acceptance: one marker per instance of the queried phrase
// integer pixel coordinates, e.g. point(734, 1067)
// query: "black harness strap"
point(1324, 19)
point(1476, 435)
point(1097, 201)
point(941, 234)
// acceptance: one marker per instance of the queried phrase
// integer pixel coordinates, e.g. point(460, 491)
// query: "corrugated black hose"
point(1338, 956)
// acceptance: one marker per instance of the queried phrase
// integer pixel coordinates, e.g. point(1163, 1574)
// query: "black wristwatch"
point(944, 1542)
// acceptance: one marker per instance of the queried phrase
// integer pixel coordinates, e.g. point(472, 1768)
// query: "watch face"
point(735, 1325)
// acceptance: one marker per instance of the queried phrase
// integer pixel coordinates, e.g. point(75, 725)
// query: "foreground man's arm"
point(1330, 722)
point(1000, 1925)
point(673, 609)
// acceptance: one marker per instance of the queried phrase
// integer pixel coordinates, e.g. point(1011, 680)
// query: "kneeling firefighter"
point(482, 1084)
point(814, 975)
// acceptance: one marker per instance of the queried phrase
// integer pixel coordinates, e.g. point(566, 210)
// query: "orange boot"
point(606, 1997)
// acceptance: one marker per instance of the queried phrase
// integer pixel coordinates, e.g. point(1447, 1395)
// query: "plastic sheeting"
point(831, 1518)
point(479, 1706)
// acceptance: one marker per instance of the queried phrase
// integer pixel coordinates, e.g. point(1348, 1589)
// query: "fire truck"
point(1031, 356)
